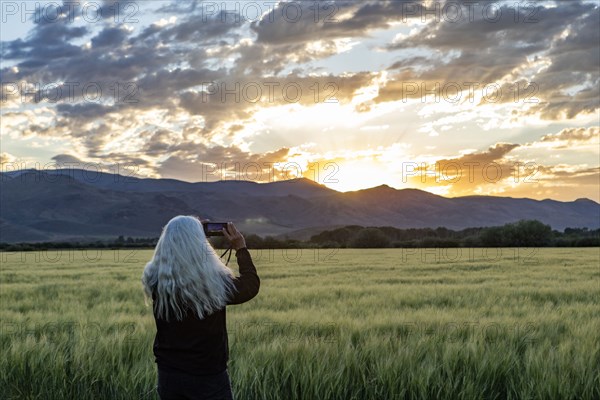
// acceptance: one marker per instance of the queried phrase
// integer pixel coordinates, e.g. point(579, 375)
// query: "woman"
point(190, 287)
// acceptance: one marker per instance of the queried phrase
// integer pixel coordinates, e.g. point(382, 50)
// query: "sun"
point(350, 175)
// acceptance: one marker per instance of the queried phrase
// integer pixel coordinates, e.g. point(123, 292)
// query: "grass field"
point(327, 324)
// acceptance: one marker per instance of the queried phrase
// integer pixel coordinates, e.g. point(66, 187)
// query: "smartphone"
point(214, 228)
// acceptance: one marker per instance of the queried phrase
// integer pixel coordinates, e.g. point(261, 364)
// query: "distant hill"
point(77, 204)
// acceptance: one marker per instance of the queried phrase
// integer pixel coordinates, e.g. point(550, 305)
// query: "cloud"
point(204, 163)
point(163, 68)
point(572, 140)
point(495, 171)
point(7, 158)
point(465, 173)
point(199, 29)
point(110, 37)
point(330, 20)
point(229, 100)
point(558, 53)
point(572, 135)
point(66, 160)
point(84, 111)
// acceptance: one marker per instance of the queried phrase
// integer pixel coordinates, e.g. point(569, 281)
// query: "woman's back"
point(200, 346)
point(195, 346)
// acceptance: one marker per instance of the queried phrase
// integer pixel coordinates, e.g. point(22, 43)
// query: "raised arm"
point(248, 283)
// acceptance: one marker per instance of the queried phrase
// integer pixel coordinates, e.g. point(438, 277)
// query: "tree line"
point(524, 233)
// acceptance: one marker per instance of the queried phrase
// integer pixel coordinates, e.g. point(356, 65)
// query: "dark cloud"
point(477, 160)
point(161, 141)
point(66, 159)
point(110, 36)
point(286, 33)
point(194, 28)
point(117, 10)
point(83, 110)
point(486, 52)
point(213, 163)
point(333, 20)
point(49, 38)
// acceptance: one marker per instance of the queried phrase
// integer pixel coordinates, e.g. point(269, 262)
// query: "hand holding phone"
point(234, 236)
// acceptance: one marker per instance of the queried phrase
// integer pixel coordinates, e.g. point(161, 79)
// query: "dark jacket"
point(200, 346)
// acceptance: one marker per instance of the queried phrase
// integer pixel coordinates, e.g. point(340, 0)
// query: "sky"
point(457, 98)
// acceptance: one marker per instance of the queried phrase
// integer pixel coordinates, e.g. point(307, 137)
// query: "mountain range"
point(74, 204)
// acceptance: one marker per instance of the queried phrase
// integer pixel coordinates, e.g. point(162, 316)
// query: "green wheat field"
point(327, 324)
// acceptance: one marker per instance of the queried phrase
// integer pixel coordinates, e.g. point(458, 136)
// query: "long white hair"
point(186, 272)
